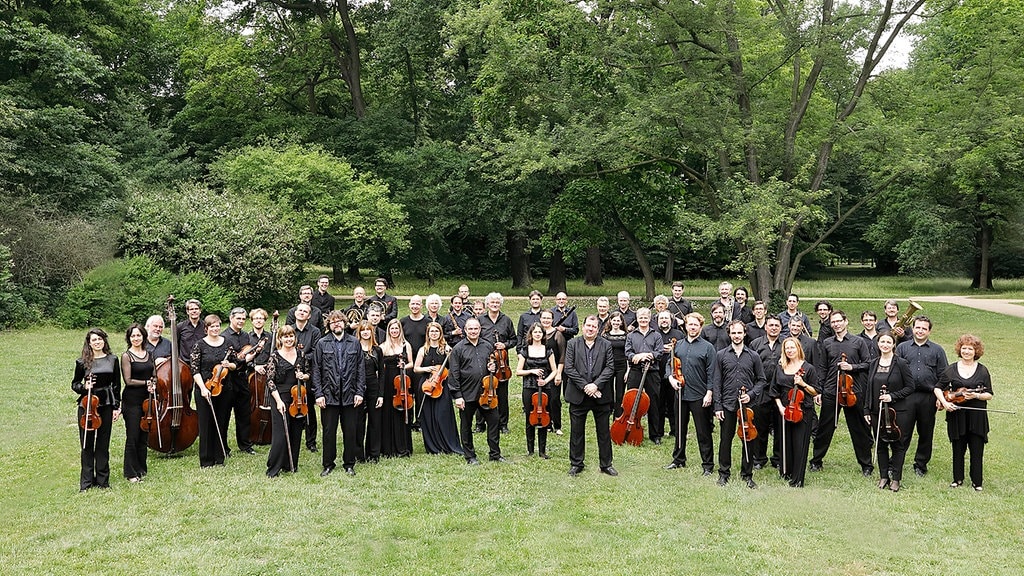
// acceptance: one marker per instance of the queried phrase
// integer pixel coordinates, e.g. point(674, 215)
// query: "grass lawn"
point(435, 515)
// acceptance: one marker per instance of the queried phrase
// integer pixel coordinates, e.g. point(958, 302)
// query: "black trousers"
point(860, 434)
point(797, 444)
point(619, 388)
point(277, 459)
point(502, 408)
point(669, 403)
point(924, 410)
point(310, 424)
point(491, 419)
point(135, 440)
point(96, 453)
point(374, 415)
point(727, 430)
point(555, 405)
point(892, 455)
point(578, 434)
point(652, 386)
point(976, 444)
point(241, 405)
point(540, 432)
point(703, 427)
point(765, 415)
point(211, 451)
point(348, 416)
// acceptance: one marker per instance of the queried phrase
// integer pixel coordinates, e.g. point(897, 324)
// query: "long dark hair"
point(87, 354)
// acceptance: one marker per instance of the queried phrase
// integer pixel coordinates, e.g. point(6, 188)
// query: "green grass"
point(435, 515)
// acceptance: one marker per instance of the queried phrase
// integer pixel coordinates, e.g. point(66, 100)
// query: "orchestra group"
point(381, 378)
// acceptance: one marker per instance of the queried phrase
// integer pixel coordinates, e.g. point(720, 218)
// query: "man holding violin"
point(236, 384)
point(339, 385)
point(589, 367)
point(741, 379)
point(469, 363)
point(497, 329)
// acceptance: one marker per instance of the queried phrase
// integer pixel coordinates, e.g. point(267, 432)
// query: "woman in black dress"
point(97, 370)
point(369, 424)
point(615, 332)
point(396, 433)
point(792, 372)
point(137, 369)
point(892, 372)
point(284, 370)
point(969, 380)
point(537, 368)
point(556, 342)
point(437, 419)
point(210, 351)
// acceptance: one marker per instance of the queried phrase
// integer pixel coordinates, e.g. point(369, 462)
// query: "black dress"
point(618, 342)
point(137, 371)
point(395, 433)
point(967, 429)
point(281, 377)
point(797, 434)
point(96, 444)
point(437, 421)
point(211, 450)
point(370, 419)
point(529, 387)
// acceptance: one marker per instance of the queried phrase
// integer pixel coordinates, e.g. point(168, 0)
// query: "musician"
point(192, 330)
point(339, 384)
point(236, 385)
point(628, 316)
point(892, 318)
point(738, 367)
point(322, 299)
point(891, 371)
point(792, 301)
point(414, 327)
point(496, 328)
point(284, 373)
point(463, 293)
point(669, 334)
point(396, 429)
point(679, 306)
point(812, 350)
point(824, 310)
point(554, 340)
point(97, 370)
point(373, 316)
point(158, 346)
point(699, 361)
point(603, 306)
point(659, 305)
point(565, 320)
point(740, 310)
point(589, 367)
point(356, 311)
point(137, 371)
point(455, 321)
point(927, 362)
point(869, 321)
point(537, 368)
point(316, 315)
point(614, 332)
point(470, 362)
point(793, 371)
point(212, 411)
point(756, 327)
point(306, 337)
point(726, 300)
point(718, 331)
point(258, 319)
point(437, 419)
point(645, 345)
point(389, 304)
point(769, 350)
point(369, 426)
point(529, 318)
point(857, 359)
point(967, 428)
point(478, 308)
point(433, 303)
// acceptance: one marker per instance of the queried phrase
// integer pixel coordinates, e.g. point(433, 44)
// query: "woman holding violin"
point(211, 355)
point(793, 391)
point(555, 341)
point(888, 412)
point(538, 370)
point(615, 333)
point(137, 370)
point(437, 417)
point(964, 390)
point(97, 382)
point(396, 432)
point(369, 426)
point(285, 379)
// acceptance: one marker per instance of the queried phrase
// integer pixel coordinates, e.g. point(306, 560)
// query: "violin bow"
point(216, 425)
point(878, 428)
point(288, 440)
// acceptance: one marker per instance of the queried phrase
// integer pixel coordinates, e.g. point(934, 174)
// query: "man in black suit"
point(589, 367)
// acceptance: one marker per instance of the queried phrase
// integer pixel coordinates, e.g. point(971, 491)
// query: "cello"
point(635, 403)
point(260, 427)
point(177, 423)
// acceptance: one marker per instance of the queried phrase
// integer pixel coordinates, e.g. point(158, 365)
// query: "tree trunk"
point(518, 260)
point(338, 275)
point(670, 267)
point(353, 273)
point(641, 257)
point(413, 102)
point(982, 279)
point(556, 275)
point(592, 274)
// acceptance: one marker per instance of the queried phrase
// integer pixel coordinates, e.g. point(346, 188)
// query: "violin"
point(501, 368)
point(635, 403)
point(888, 431)
point(150, 407)
point(745, 427)
point(539, 416)
point(959, 396)
point(90, 419)
point(489, 395)
point(299, 408)
point(794, 411)
point(215, 383)
point(677, 365)
point(432, 385)
point(403, 399)
point(844, 383)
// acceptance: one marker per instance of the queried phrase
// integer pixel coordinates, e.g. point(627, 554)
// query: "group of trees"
point(239, 140)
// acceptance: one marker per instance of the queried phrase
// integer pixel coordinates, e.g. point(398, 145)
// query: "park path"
point(1008, 307)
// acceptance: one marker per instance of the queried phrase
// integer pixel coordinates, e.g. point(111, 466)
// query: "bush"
point(125, 291)
point(13, 310)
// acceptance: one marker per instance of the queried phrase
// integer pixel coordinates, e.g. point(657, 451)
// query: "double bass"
point(177, 424)
point(260, 399)
point(635, 403)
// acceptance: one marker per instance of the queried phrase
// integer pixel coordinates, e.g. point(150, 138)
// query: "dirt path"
point(1008, 307)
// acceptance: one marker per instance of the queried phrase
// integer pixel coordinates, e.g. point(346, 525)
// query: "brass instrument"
point(354, 315)
point(908, 316)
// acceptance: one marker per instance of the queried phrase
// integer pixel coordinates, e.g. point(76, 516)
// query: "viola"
point(299, 408)
point(215, 383)
point(501, 368)
point(150, 422)
point(888, 431)
point(959, 396)
point(403, 398)
point(489, 395)
point(260, 398)
point(635, 403)
point(432, 386)
point(90, 419)
point(745, 427)
point(177, 423)
point(677, 365)
point(794, 411)
point(539, 416)
point(844, 384)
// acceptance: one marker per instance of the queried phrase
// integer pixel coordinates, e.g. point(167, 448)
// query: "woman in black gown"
point(967, 429)
point(213, 411)
point(537, 368)
point(284, 370)
point(792, 372)
point(615, 332)
point(369, 425)
point(137, 369)
point(97, 370)
point(892, 372)
point(437, 419)
point(396, 433)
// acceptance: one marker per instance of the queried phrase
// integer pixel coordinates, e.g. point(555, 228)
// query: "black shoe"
point(350, 471)
point(708, 471)
point(883, 483)
point(504, 429)
point(499, 459)
point(867, 471)
point(920, 471)
point(674, 465)
point(473, 462)
point(751, 484)
point(609, 470)
point(250, 450)
point(657, 441)
point(795, 484)
point(544, 455)
point(479, 428)
point(575, 470)
point(758, 466)
point(327, 471)
point(816, 467)
point(894, 486)
point(311, 448)
point(722, 480)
